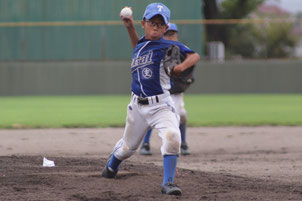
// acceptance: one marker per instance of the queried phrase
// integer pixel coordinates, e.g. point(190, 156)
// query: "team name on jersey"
point(142, 60)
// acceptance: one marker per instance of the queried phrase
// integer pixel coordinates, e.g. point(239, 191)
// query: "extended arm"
point(129, 24)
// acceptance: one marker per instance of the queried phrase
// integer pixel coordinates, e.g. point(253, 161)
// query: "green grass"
point(105, 111)
point(248, 110)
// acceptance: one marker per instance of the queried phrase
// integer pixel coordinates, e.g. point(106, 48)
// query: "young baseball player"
point(177, 93)
point(151, 105)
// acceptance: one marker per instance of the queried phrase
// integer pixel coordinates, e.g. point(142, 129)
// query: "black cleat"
point(108, 172)
point(171, 189)
point(184, 149)
point(145, 149)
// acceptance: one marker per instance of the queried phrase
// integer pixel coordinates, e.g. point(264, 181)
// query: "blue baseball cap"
point(157, 9)
point(172, 27)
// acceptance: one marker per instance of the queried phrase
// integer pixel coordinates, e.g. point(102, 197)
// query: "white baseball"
point(126, 12)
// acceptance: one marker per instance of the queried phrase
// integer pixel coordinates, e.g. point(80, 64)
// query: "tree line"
point(263, 40)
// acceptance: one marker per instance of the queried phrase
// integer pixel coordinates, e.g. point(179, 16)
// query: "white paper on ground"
point(48, 163)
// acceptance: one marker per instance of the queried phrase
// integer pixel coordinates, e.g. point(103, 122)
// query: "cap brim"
point(148, 17)
point(172, 30)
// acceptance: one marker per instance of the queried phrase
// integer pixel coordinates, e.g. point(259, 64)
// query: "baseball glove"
point(183, 81)
point(171, 59)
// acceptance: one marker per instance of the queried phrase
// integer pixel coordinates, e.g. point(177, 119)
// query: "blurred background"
point(75, 47)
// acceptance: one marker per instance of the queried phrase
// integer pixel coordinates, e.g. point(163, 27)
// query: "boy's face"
point(154, 28)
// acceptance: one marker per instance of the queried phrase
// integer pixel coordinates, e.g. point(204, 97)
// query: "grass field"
point(105, 111)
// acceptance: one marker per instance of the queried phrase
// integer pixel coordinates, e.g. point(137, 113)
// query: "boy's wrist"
point(130, 26)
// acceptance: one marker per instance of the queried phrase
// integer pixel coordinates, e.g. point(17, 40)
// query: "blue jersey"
point(148, 76)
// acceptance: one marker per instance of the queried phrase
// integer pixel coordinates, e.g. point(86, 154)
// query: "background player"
point(151, 105)
point(179, 86)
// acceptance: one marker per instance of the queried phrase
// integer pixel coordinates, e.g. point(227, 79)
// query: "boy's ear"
point(143, 24)
point(166, 28)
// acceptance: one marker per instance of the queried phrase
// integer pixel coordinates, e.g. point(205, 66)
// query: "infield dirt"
point(227, 163)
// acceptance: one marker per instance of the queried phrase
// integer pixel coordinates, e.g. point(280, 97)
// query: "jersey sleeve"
point(184, 49)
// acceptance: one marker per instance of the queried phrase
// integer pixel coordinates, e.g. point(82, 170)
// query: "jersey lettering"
point(142, 60)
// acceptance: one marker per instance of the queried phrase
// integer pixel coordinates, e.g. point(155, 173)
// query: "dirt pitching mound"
point(24, 178)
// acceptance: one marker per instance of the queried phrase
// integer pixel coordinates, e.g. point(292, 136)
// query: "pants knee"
point(183, 116)
point(172, 144)
point(183, 119)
